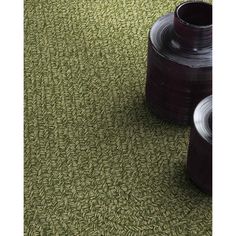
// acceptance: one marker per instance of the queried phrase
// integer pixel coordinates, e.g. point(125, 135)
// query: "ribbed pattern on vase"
point(96, 161)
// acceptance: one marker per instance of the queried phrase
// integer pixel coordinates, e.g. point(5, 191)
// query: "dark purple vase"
point(199, 162)
point(179, 73)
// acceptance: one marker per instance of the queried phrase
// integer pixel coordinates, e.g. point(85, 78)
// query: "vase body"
point(179, 63)
point(199, 161)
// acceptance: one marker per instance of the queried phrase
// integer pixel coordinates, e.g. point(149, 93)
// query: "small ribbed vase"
point(179, 72)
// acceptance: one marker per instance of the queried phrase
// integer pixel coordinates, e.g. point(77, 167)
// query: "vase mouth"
point(195, 14)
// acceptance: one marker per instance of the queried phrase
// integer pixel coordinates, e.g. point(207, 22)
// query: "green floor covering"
point(97, 162)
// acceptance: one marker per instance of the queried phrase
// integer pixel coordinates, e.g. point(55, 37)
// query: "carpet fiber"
point(97, 162)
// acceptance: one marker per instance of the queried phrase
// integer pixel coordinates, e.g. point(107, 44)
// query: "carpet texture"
point(97, 162)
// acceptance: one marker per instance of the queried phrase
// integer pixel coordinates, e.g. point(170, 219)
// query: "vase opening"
point(195, 13)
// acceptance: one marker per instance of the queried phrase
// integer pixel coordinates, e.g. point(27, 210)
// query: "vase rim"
point(202, 118)
point(189, 24)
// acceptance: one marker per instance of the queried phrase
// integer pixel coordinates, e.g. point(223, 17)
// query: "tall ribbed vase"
point(199, 161)
point(179, 73)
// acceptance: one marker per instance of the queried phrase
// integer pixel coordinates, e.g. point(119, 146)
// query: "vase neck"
point(193, 25)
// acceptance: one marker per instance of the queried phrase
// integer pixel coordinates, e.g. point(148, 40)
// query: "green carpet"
point(97, 162)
